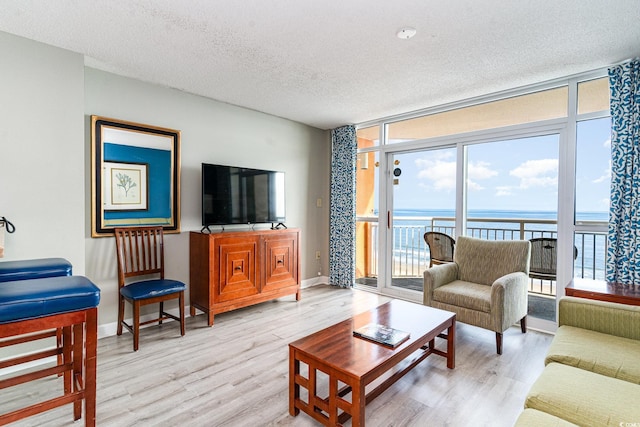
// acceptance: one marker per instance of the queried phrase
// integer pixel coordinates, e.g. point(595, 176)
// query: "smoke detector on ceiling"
point(406, 33)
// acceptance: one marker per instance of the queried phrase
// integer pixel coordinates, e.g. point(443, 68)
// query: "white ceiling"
point(327, 63)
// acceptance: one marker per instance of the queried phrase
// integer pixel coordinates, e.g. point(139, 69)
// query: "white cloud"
point(607, 143)
point(503, 191)
point(537, 173)
point(480, 170)
point(442, 173)
point(472, 185)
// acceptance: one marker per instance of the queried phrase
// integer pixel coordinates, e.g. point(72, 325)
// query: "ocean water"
point(410, 253)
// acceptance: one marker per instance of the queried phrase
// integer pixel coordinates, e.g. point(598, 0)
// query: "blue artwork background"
point(159, 185)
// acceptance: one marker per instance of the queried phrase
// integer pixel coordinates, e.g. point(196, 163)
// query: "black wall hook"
point(10, 227)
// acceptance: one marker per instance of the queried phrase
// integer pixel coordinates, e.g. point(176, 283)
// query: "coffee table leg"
point(358, 401)
point(333, 401)
point(294, 389)
point(451, 345)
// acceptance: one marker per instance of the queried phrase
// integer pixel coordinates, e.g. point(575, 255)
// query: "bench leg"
point(78, 350)
point(91, 357)
point(78, 363)
point(65, 344)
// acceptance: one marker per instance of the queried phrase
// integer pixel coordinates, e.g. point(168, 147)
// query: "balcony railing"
point(411, 253)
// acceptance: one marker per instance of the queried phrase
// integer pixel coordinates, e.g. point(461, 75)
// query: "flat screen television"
point(235, 195)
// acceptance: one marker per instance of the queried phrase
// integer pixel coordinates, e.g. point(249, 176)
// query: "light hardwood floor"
point(236, 373)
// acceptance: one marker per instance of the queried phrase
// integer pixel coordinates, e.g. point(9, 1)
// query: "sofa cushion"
point(621, 320)
point(583, 397)
point(469, 295)
point(604, 354)
point(534, 418)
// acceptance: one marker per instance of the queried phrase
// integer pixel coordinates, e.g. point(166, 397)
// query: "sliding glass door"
point(422, 186)
point(512, 194)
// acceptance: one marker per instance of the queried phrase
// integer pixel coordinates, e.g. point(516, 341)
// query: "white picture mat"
point(125, 186)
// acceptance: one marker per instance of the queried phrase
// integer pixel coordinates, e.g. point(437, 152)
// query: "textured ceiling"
point(329, 63)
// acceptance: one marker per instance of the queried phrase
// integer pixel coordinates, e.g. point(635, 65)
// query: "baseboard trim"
point(320, 280)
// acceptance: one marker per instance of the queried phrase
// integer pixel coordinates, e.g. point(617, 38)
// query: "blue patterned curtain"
point(342, 215)
point(623, 254)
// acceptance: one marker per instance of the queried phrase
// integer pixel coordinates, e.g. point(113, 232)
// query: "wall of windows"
point(538, 153)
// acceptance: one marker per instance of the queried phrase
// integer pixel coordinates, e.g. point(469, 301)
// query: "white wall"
point(47, 98)
point(42, 176)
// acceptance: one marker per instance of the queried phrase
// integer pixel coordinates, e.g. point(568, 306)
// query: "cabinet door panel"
point(281, 267)
point(238, 276)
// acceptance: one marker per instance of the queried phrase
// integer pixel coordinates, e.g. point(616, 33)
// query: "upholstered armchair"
point(485, 286)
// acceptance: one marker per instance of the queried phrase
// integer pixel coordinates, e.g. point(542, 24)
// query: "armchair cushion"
point(464, 294)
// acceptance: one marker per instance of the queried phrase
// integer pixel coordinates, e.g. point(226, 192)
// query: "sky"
point(519, 174)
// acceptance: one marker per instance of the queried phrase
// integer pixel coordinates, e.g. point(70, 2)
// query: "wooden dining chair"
point(140, 252)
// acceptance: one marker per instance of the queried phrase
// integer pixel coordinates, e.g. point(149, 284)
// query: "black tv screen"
point(234, 195)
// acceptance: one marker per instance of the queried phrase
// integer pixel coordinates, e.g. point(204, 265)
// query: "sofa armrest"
point(509, 299)
point(610, 318)
point(437, 276)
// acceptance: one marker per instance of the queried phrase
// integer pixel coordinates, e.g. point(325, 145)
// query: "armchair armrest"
point(601, 316)
point(437, 276)
point(509, 299)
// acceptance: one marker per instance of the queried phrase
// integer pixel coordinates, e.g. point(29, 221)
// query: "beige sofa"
point(592, 372)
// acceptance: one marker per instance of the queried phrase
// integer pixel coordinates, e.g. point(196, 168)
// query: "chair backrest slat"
point(140, 252)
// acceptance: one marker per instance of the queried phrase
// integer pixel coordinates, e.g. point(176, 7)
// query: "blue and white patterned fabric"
point(342, 213)
point(623, 253)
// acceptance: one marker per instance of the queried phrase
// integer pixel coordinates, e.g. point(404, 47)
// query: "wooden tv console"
point(229, 270)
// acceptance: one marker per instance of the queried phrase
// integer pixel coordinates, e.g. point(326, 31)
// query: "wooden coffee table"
point(349, 364)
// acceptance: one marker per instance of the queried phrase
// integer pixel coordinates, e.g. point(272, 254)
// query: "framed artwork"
point(125, 186)
point(135, 176)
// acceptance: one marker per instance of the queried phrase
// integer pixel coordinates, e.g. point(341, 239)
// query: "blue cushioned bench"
point(34, 269)
point(38, 308)
point(30, 299)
